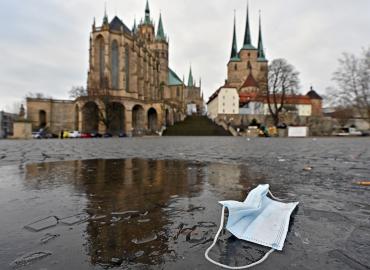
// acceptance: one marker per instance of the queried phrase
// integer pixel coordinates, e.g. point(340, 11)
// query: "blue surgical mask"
point(258, 219)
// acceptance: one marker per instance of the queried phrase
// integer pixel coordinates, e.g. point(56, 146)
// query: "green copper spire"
point(160, 31)
point(247, 36)
point(105, 19)
point(234, 49)
point(261, 52)
point(147, 13)
point(190, 80)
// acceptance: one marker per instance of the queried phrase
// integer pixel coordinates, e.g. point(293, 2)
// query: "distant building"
point(6, 123)
point(303, 105)
point(194, 96)
point(131, 87)
point(224, 101)
point(247, 78)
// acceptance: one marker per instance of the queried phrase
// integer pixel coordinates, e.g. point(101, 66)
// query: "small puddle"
point(114, 213)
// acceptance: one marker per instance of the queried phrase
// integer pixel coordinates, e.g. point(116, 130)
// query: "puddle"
point(108, 213)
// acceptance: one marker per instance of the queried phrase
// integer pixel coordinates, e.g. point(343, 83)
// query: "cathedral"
point(130, 87)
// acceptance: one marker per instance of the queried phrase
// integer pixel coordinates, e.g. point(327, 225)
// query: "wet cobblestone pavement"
point(151, 203)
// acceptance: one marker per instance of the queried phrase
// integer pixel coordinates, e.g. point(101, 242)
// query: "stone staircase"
point(196, 126)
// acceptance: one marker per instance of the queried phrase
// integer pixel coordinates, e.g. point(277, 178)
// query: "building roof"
point(117, 25)
point(234, 48)
point(261, 57)
point(313, 94)
point(160, 31)
point(288, 100)
point(215, 94)
point(248, 97)
point(190, 80)
point(250, 82)
point(147, 19)
point(173, 79)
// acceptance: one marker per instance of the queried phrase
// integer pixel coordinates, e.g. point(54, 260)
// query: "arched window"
point(127, 67)
point(42, 119)
point(115, 65)
point(236, 67)
point(100, 58)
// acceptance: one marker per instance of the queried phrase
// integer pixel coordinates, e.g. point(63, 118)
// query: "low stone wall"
point(318, 126)
point(22, 130)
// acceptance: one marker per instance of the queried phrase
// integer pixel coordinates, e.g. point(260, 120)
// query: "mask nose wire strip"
point(226, 266)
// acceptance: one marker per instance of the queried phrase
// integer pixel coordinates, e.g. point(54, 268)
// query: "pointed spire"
point(105, 19)
point(147, 13)
point(160, 31)
point(190, 80)
point(261, 52)
point(234, 49)
point(247, 35)
point(134, 28)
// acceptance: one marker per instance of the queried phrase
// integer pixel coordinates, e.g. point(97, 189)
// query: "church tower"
point(146, 27)
point(250, 63)
point(160, 48)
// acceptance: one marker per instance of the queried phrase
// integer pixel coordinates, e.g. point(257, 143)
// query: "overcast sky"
point(44, 43)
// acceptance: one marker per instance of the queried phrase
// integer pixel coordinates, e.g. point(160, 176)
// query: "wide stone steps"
point(196, 126)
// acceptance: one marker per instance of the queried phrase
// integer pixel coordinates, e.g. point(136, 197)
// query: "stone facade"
point(130, 87)
point(22, 130)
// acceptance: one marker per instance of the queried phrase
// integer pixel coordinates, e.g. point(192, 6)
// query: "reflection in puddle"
point(119, 212)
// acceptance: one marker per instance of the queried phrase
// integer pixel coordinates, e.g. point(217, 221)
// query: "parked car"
point(107, 135)
point(122, 135)
point(74, 134)
point(36, 135)
point(86, 136)
point(96, 135)
point(65, 134)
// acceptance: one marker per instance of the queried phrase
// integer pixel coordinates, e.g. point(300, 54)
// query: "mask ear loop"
point(226, 266)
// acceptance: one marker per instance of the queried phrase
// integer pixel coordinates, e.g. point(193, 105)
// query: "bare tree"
point(352, 80)
point(77, 91)
point(282, 81)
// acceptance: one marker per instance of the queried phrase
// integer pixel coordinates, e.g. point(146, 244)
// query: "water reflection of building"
point(112, 186)
point(107, 188)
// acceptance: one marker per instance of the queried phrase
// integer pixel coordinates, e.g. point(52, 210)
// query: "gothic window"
point(178, 92)
point(115, 65)
point(236, 67)
point(100, 56)
point(127, 67)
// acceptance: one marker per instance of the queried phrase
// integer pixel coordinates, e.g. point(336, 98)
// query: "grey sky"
point(44, 43)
